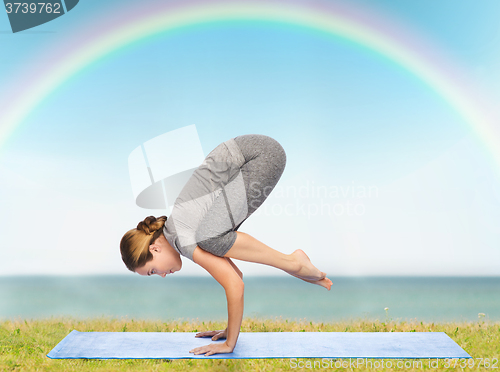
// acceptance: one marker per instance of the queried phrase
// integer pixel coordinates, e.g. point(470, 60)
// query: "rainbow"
point(372, 32)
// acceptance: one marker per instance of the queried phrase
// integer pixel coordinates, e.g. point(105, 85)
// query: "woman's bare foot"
point(307, 271)
point(325, 282)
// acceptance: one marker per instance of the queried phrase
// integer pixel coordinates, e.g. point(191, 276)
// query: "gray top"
point(211, 204)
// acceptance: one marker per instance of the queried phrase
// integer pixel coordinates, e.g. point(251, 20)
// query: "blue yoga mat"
point(176, 345)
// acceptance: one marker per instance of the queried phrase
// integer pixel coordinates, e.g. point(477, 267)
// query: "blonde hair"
point(134, 245)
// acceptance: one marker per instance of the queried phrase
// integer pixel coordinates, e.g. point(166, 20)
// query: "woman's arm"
point(240, 274)
point(215, 335)
point(222, 271)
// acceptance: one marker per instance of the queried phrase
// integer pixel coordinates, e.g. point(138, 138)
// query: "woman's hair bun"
point(151, 224)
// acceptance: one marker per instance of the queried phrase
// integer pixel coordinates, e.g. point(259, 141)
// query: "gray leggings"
point(265, 161)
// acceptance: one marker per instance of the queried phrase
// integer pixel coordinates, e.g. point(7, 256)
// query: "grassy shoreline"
point(25, 343)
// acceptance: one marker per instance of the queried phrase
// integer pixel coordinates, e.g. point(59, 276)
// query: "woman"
point(230, 184)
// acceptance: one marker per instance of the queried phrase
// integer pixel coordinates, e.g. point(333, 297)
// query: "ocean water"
point(438, 299)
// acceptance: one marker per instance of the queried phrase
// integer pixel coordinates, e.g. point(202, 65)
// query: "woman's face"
point(166, 260)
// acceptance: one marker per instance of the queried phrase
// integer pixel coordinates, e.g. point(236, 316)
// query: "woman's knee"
point(256, 145)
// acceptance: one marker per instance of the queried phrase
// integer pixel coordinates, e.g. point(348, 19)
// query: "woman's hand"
point(214, 334)
point(219, 348)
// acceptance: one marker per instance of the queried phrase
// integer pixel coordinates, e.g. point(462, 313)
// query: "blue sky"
point(346, 117)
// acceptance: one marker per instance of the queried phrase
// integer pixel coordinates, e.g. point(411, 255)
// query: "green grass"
point(25, 343)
